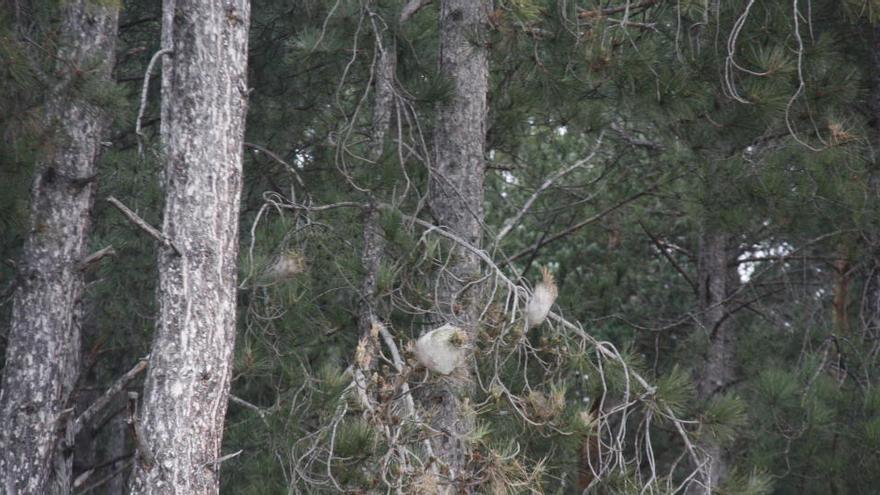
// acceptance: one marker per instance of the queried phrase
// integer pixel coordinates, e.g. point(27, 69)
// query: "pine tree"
point(43, 349)
point(204, 89)
point(455, 196)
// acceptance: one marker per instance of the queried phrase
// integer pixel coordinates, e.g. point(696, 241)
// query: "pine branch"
point(510, 224)
point(277, 158)
point(669, 258)
point(574, 228)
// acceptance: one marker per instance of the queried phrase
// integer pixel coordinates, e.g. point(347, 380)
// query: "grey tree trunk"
point(43, 352)
point(873, 303)
point(374, 243)
point(115, 449)
point(714, 284)
point(455, 197)
point(383, 102)
point(204, 99)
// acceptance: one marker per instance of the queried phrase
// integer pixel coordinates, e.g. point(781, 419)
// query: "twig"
point(277, 158)
point(579, 225)
point(617, 10)
point(669, 258)
point(144, 90)
point(97, 256)
point(142, 449)
point(260, 412)
point(105, 399)
point(82, 478)
point(510, 224)
point(107, 478)
point(405, 390)
point(411, 8)
point(216, 463)
point(140, 222)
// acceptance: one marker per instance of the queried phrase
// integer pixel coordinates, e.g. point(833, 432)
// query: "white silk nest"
point(542, 300)
point(441, 350)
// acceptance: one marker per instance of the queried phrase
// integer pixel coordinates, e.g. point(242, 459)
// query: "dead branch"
point(574, 228)
point(140, 222)
point(510, 224)
point(145, 89)
point(89, 414)
point(277, 158)
point(669, 258)
point(411, 8)
point(97, 256)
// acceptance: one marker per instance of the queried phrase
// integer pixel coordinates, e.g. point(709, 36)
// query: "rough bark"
point(85, 441)
point(373, 241)
point(383, 102)
point(714, 284)
point(455, 197)
point(43, 352)
point(371, 259)
point(873, 294)
point(116, 449)
point(204, 96)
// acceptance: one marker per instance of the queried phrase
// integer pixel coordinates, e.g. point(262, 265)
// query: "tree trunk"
point(873, 293)
point(383, 102)
point(204, 98)
point(115, 449)
point(714, 284)
point(43, 352)
point(455, 197)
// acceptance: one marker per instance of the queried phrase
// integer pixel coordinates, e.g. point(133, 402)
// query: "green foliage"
point(723, 416)
point(752, 483)
point(675, 390)
point(777, 387)
point(355, 438)
point(679, 154)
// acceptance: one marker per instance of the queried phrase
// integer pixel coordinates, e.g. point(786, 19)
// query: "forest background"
point(697, 178)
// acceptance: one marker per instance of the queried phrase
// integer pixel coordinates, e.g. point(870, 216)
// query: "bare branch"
point(259, 410)
point(141, 448)
point(411, 8)
point(97, 256)
point(669, 258)
point(140, 222)
point(277, 158)
point(510, 224)
point(145, 89)
point(215, 464)
point(587, 14)
point(574, 228)
point(107, 478)
point(89, 414)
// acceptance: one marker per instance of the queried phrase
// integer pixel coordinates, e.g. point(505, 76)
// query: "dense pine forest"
point(440, 246)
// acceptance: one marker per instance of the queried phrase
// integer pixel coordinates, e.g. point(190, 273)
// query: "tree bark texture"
point(455, 197)
point(714, 284)
point(43, 352)
point(873, 294)
point(204, 99)
point(383, 102)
